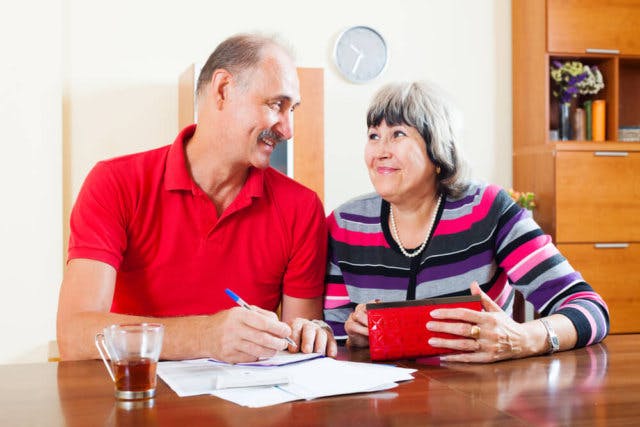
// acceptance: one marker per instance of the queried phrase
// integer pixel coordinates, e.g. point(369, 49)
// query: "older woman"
point(428, 232)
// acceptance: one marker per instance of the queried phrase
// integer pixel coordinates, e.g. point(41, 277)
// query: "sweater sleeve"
point(544, 276)
point(337, 304)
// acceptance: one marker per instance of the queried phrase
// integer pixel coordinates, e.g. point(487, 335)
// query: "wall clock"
point(360, 54)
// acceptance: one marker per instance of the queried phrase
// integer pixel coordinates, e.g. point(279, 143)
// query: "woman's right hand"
point(357, 326)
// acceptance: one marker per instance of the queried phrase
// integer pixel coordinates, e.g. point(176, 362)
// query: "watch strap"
point(552, 337)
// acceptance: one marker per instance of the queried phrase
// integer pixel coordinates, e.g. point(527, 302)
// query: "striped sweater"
point(482, 235)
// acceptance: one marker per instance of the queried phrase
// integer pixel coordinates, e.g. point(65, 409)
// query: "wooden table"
point(598, 385)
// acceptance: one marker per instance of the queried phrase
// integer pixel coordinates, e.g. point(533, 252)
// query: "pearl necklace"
point(396, 236)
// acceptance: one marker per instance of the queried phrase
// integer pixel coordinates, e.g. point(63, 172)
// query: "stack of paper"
point(288, 377)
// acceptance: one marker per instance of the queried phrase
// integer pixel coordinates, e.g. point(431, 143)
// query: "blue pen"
point(243, 304)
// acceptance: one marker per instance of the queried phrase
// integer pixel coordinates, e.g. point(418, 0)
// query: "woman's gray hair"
point(428, 109)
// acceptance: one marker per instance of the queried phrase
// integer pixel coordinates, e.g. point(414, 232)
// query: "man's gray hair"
point(237, 54)
point(428, 109)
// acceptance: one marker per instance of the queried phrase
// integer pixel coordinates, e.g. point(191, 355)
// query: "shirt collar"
point(177, 176)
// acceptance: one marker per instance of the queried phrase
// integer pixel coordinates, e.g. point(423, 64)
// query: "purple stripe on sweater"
point(549, 289)
point(464, 201)
point(509, 225)
point(359, 218)
point(457, 268)
point(338, 328)
point(375, 282)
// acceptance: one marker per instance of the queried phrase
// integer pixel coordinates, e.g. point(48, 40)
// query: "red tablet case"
point(397, 330)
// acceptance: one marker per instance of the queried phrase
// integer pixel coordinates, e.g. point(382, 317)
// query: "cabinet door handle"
point(611, 153)
point(611, 245)
point(611, 51)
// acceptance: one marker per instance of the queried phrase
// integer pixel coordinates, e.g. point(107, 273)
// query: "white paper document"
point(308, 379)
point(280, 359)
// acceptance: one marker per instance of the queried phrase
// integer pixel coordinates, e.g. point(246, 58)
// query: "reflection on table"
point(598, 385)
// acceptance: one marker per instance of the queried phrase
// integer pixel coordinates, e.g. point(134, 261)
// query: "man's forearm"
point(182, 336)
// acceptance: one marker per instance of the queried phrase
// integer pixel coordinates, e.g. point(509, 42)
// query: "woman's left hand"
point(489, 336)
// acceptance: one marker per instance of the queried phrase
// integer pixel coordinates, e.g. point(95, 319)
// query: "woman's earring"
point(438, 170)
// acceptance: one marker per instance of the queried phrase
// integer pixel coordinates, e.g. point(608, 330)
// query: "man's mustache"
point(269, 134)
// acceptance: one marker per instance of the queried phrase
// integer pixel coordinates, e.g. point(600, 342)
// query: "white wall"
point(120, 64)
point(31, 177)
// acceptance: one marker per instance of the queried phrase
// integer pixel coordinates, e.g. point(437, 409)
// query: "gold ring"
point(475, 332)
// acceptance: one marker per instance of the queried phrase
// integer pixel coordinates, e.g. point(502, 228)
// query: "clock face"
point(360, 54)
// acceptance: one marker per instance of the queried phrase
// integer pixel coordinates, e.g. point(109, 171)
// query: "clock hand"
point(355, 65)
point(355, 49)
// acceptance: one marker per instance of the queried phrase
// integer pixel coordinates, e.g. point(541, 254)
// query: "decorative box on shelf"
point(629, 134)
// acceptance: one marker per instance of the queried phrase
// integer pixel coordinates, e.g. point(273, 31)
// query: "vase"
point(587, 113)
point(565, 121)
point(579, 125)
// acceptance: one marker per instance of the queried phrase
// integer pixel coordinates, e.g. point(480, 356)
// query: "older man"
point(158, 236)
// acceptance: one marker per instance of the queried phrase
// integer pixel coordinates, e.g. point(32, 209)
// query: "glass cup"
point(131, 352)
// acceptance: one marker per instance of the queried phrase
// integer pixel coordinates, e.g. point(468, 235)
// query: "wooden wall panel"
point(308, 131)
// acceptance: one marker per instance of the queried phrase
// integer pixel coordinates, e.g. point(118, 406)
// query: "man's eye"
point(276, 106)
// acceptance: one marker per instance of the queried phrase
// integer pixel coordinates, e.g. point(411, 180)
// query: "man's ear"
point(220, 81)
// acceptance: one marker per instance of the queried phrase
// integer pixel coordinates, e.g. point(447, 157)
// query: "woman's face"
point(399, 167)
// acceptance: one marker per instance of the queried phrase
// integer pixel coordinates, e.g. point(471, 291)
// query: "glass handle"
point(102, 349)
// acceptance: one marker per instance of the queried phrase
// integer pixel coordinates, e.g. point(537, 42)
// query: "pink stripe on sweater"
point(536, 259)
point(585, 295)
point(334, 303)
point(336, 290)
point(525, 249)
point(355, 238)
point(478, 212)
point(494, 291)
point(590, 319)
point(502, 298)
point(336, 295)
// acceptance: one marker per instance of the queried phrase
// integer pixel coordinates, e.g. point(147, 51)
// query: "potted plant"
point(566, 77)
point(526, 200)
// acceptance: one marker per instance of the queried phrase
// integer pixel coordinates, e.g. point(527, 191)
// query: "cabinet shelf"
point(595, 146)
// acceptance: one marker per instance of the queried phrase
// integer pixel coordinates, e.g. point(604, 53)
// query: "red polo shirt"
point(144, 215)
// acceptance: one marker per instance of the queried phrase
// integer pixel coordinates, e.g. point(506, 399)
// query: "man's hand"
point(313, 336)
point(241, 335)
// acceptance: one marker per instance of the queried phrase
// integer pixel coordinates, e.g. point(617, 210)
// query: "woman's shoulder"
point(477, 190)
point(366, 205)
point(480, 195)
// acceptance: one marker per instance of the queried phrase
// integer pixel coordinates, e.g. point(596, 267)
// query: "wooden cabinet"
point(613, 269)
point(588, 193)
point(580, 26)
point(598, 196)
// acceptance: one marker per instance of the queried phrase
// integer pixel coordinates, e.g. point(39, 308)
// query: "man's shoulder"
point(128, 161)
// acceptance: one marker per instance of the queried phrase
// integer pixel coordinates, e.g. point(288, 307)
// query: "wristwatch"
point(552, 337)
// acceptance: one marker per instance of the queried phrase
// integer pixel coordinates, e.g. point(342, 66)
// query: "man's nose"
point(284, 126)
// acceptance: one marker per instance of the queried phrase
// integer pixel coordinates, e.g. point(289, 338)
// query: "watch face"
point(360, 54)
